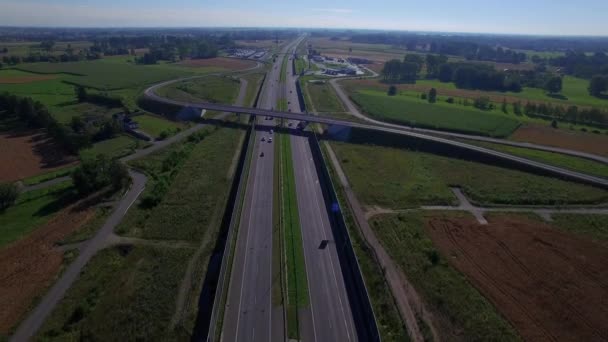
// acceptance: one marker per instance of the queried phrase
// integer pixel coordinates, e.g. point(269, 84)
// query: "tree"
point(598, 85)
point(8, 195)
point(81, 93)
point(392, 90)
point(517, 108)
point(77, 124)
point(432, 95)
point(554, 85)
point(416, 59)
point(504, 106)
point(446, 72)
point(554, 123)
point(409, 72)
point(94, 175)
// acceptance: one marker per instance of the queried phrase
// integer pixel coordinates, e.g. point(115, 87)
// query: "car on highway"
point(269, 140)
point(263, 138)
point(262, 154)
point(271, 131)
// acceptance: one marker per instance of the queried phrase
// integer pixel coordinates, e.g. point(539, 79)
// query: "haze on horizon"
point(542, 17)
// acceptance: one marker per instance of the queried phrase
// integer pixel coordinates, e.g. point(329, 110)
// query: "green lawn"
point(399, 178)
point(411, 110)
point(155, 125)
point(66, 171)
point(443, 288)
point(557, 159)
point(32, 210)
point(588, 226)
point(113, 148)
point(215, 89)
point(297, 285)
point(124, 293)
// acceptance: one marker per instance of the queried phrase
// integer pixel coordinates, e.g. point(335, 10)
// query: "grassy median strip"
point(284, 70)
point(297, 286)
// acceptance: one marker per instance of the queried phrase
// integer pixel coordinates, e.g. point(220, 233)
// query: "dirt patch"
point(30, 153)
point(219, 62)
point(25, 79)
point(30, 265)
point(579, 141)
point(551, 285)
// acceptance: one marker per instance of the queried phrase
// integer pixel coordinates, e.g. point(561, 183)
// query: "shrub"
point(8, 195)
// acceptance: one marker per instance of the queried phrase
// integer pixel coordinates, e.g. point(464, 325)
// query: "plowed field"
point(551, 285)
point(585, 142)
point(28, 154)
point(30, 265)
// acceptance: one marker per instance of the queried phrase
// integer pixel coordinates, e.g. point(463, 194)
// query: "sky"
point(557, 17)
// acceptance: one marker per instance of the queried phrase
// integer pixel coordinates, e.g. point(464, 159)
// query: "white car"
point(271, 131)
point(269, 140)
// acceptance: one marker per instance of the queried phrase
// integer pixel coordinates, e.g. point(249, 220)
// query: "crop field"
point(221, 63)
point(322, 96)
point(546, 282)
point(557, 159)
point(147, 278)
point(23, 49)
point(155, 125)
point(32, 263)
point(579, 141)
point(107, 74)
point(112, 148)
point(262, 44)
point(215, 89)
point(400, 178)
point(414, 111)
point(375, 52)
point(461, 310)
point(11, 76)
point(24, 154)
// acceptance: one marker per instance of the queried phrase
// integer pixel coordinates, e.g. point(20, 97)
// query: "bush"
point(8, 195)
point(423, 96)
point(392, 91)
point(450, 100)
point(94, 175)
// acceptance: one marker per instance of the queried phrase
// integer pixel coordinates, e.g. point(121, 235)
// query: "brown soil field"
point(29, 153)
point(25, 79)
point(574, 140)
point(219, 62)
point(549, 284)
point(269, 43)
point(30, 265)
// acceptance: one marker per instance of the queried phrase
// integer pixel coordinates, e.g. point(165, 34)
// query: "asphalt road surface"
point(250, 314)
point(329, 317)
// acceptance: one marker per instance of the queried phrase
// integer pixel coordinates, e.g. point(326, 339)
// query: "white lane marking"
point(238, 319)
point(309, 173)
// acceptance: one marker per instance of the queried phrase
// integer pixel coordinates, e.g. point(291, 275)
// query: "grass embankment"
point(144, 277)
point(300, 65)
point(31, 210)
point(411, 110)
point(296, 284)
point(401, 178)
point(322, 96)
point(157, 126)
point(214, 89)
point(443, 288)
point(589, 226)
point(390, 324)
point(49, 176)
point(283, 77)
point(568, 162)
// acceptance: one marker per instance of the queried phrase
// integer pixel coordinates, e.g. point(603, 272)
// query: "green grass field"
point(557, 159)
point(323, 97)
point(215, 89)
point(31, 210)
point(445, 290)
point(415, 111)
point(400, 178)
point(66, 171)
point(297, 285)
point(107, 74)
point(113, 148)
point(199, 189)
point(587, 226)
point(145, 278)
point(155, 125)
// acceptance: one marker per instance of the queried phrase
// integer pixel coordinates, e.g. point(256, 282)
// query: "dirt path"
point(479, 212)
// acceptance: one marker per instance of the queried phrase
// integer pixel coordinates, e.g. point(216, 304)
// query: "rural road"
point(28, 328)
point(331, 318)
point(250, 314)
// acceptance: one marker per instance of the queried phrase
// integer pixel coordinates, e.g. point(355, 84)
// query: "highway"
point(250, 314)
point(556, 171)
point(329, 316)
